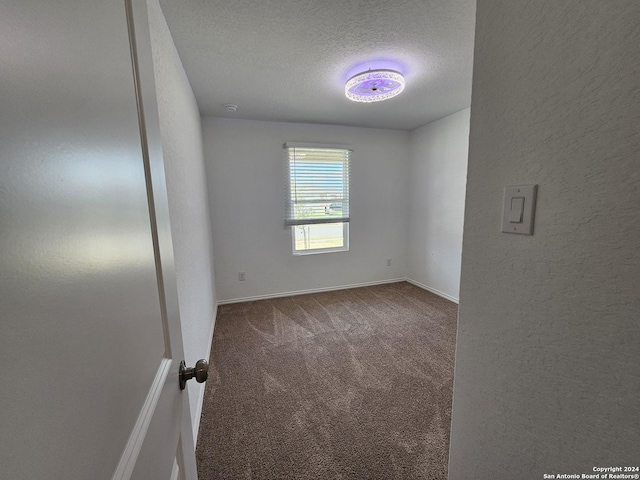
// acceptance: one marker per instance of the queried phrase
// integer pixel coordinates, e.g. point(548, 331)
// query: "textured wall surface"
point(548, 366)
point(438, 174)
point(247, 180)
point(188, 200)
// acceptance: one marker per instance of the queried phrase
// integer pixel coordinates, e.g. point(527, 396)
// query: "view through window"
point(318, 198)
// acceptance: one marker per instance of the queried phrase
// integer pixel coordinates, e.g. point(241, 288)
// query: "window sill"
point(317, 251)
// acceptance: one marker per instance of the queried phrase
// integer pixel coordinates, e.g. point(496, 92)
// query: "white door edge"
point(175, 473)
point(132, 449)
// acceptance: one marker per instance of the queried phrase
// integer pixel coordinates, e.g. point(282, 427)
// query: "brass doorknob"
point(200, 372)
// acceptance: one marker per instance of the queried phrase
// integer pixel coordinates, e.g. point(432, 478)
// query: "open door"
point(90, 338)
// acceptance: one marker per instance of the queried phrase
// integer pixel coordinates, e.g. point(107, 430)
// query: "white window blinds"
point(318, 184)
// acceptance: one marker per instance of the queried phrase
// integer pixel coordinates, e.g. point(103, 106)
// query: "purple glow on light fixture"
point(374, 85)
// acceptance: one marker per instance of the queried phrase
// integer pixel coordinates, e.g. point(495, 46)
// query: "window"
point(318, 197)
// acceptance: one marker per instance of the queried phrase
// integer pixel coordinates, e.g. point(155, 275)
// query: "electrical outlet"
point(388, 262)
point(241, 276)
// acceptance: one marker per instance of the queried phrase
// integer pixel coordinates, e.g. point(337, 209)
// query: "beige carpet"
point(353, 384)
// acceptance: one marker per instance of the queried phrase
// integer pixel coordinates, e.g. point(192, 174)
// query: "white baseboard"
point(198, 415)
point(433, 290)
point(312, 290)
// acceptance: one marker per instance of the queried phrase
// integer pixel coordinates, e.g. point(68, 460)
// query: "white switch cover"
point(518, 209)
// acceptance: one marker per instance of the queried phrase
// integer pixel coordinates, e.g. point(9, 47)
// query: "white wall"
point(547, 367)
point(188, 200)
point(247, 179)
point(438, 174)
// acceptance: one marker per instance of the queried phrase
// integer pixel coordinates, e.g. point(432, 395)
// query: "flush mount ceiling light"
point(374, 85)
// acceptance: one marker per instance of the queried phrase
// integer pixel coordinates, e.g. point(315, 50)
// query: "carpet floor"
point(351, 384)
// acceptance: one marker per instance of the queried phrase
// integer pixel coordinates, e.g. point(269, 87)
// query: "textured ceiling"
point(288, 60)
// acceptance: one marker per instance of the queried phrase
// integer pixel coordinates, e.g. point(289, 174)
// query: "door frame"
point(151, 143)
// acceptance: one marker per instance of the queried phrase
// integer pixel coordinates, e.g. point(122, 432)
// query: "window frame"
point(315, 251)
point(292, 222)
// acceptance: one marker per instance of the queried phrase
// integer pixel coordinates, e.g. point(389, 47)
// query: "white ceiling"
point(288, 60)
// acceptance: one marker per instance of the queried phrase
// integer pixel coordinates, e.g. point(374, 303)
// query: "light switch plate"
point(519, 197)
